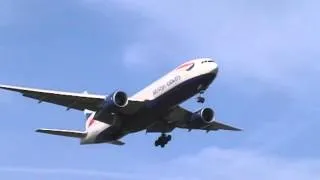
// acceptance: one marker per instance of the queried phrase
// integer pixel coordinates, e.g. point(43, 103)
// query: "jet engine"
point(113, 103)
point(202, 117)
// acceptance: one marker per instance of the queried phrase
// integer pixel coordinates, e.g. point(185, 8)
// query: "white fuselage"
point(174, 78)
point(176, 84)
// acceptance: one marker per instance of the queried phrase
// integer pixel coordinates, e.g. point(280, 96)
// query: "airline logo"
point(186, 66)
point(90, 120)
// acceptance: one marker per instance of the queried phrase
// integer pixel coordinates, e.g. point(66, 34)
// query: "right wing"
point(78, 101)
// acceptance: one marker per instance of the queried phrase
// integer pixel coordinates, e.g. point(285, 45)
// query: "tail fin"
point(89, 117)
point(87, 113)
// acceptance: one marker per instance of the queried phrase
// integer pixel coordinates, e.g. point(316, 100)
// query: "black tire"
point(162, 139)
point(156, 143)
point(201, 100)
point(169, 137)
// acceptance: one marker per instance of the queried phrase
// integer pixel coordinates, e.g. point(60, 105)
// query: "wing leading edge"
point(78, 101)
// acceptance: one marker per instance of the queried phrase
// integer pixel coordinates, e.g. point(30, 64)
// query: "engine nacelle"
point(113, 103)
point(203, 116)
point(116, 100)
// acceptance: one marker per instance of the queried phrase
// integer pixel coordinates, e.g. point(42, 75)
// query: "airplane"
point(154, 109)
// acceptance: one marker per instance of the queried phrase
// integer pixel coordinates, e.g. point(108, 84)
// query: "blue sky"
point(267, 85)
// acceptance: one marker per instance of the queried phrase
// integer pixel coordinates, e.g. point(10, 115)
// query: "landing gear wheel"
point(156, 143)
point(163, 140)
point(201, 99)
point(169, 138)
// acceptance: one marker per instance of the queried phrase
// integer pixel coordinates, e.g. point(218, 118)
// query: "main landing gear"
point(162, 140)
point(200, 98)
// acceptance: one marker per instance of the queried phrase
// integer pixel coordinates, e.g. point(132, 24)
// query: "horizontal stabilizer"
point(66, 133)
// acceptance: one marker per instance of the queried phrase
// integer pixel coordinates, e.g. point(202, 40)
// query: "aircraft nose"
point(215, 68)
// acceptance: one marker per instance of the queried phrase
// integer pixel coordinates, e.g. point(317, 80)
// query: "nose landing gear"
point(200, 98)
point(162, 140)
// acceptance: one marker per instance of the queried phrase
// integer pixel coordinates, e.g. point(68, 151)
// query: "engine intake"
point(203, 116)
point(119, 99)
point(114, 101)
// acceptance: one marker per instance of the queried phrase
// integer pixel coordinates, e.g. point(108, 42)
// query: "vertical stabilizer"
point(88, 117)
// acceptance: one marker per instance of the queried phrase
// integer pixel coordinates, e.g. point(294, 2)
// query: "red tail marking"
point(91, 120)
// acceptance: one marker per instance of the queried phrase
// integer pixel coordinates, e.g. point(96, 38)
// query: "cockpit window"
point(206, 61)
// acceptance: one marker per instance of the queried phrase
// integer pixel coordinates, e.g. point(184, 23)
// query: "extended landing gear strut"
point(162, 140)
point(200, 98)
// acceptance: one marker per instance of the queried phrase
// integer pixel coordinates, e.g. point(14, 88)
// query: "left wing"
point(178, 117)
point(78, 101)
point(182, 116)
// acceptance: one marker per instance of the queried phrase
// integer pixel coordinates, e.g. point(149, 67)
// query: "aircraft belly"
point(140, 123)
point(109, 134)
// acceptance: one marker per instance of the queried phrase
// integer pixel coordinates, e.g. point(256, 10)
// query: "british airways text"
point(167, 85)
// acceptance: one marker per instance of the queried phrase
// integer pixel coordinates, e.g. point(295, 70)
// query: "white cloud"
point(264, 45)
point(233, 164)
point(71, 172)
point(273, 42)
point(211, 163)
